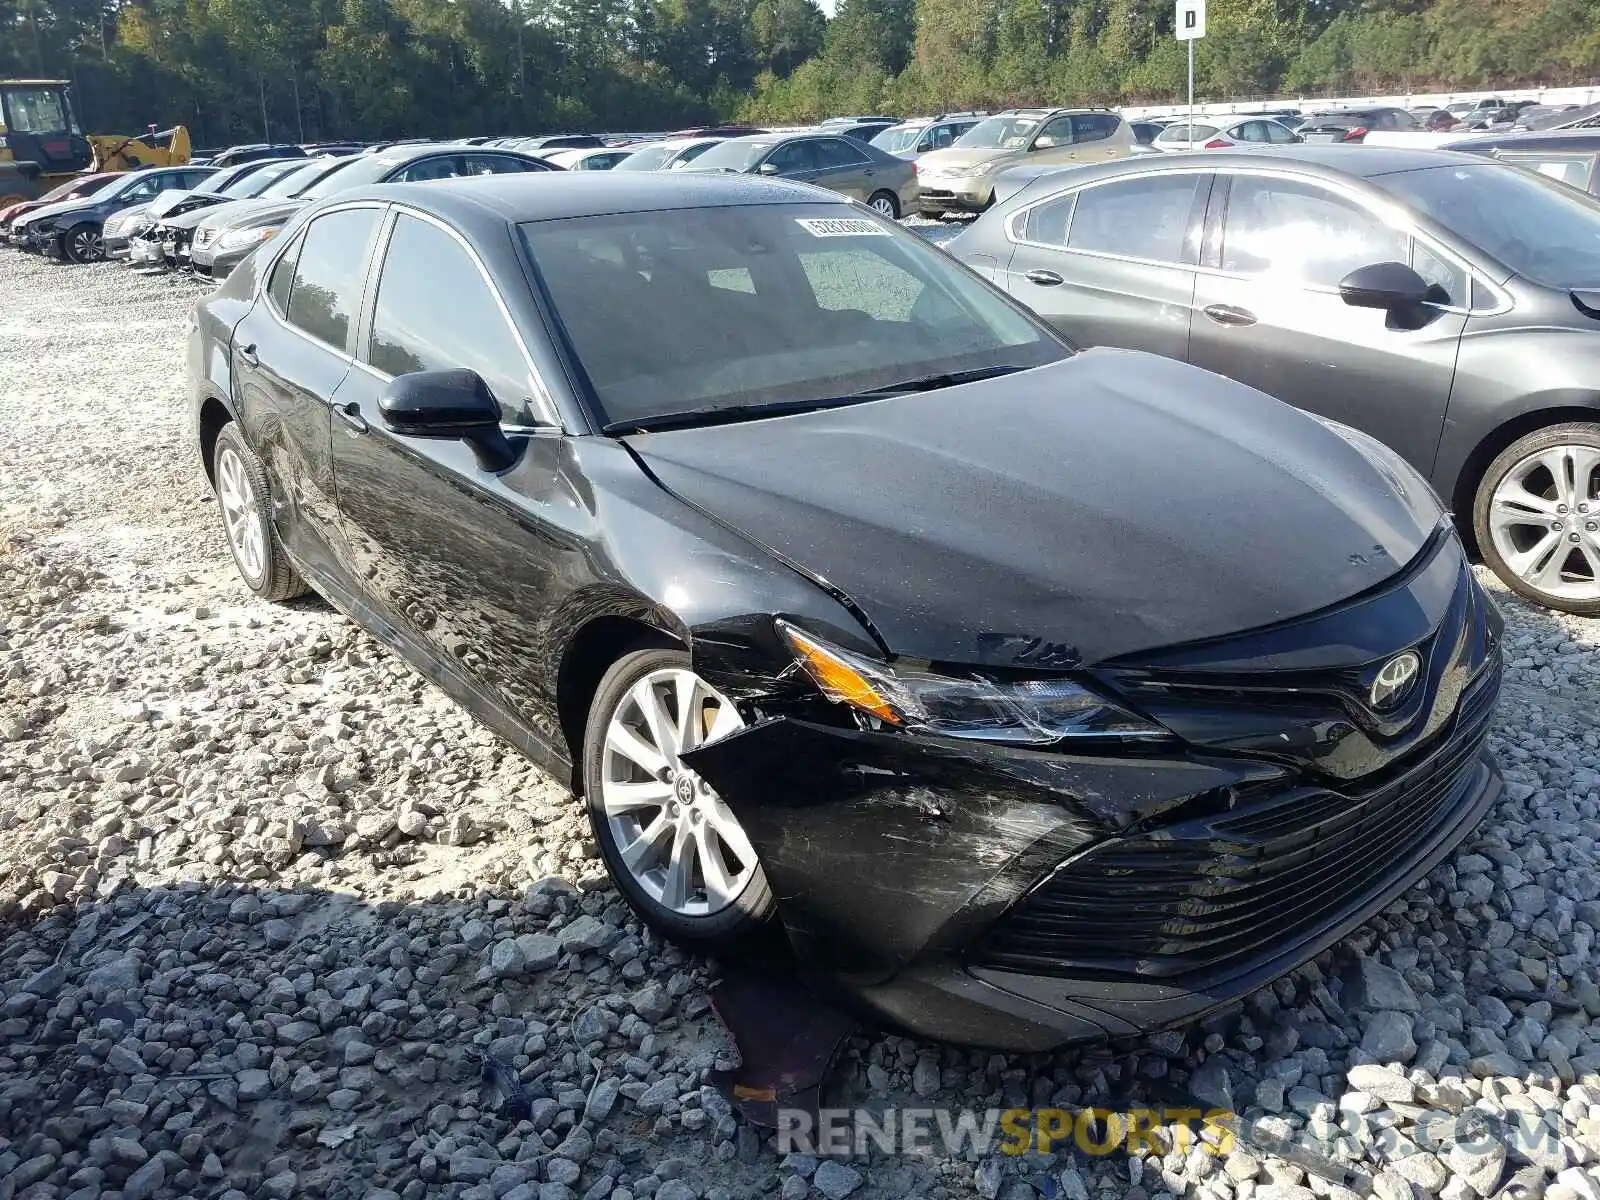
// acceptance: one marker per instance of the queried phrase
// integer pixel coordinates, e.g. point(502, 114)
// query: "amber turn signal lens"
point(838, 680)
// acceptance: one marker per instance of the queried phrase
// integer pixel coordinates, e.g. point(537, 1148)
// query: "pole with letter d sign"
point(1191, 25)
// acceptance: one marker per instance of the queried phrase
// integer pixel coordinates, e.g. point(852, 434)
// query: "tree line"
point(306, 70)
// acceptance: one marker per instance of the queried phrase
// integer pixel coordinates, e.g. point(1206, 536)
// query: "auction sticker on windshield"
point(841, 227)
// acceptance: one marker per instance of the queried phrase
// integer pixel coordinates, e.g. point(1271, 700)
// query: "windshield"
point(353, 172)
point(1541, 229)
point(651, 158)
point(999, 133)
point(37, 110)
point(254, 183)
point(292, 180)
point(765, 304)
point(893, 141)
point(734, 155)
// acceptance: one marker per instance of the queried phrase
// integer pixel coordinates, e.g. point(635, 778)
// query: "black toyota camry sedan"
point(1039, 695)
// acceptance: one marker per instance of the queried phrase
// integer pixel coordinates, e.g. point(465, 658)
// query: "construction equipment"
point(42, 145)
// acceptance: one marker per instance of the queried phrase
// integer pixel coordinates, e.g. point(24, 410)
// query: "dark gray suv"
point(1445, 305)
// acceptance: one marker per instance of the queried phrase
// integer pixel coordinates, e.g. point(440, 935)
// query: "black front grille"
point(1208, 896)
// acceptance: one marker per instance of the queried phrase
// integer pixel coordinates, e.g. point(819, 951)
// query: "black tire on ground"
point(731, 927)
point(82, 244)
point(885, 202)
point(1572, 433)
point(275, 579)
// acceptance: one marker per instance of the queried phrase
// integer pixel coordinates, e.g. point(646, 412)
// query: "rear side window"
point(282, 279)
point(326, 292)
point(1137, 218)
point(836, 152)
point(1047, 223)
point(496, 164)
point(1093, 127)
point(412, 331)
point(445, 166)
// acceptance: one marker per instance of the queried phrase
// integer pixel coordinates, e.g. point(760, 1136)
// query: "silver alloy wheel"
point(86, 245)
point(884, 205)
point(238, 500)
point(673, 833)
point(1544, 517)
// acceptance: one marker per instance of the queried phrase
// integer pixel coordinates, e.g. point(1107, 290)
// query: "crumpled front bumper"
point(903, 864)
point(964, 193)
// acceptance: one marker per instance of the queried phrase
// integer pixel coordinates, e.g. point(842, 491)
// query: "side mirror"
point(452, 405)
point(767, 168)
point(1386, 285)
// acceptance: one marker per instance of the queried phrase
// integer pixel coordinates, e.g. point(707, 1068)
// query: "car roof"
point(1539, 139)
point(557, 194)
point(1365, 162)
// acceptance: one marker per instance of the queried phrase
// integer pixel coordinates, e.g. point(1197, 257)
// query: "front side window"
point(445, 166)
point(770, 303)
point(326, 292)
point(37, 110)
point(1302, 233)
point(1137, 218)
point(413, 331)
point(1452, 282)
point(793, 157)
point(1538, 228)
point(1055, 133)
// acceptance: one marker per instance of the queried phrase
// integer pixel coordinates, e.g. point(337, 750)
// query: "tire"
point(243, 491)
point(885, 204)
point(636, 826)
point(83, 244)
point(1536, 517)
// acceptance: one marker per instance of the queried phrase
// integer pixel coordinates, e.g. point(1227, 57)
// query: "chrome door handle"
point(350, 414)
point(1044, 278)
point(1228, 314)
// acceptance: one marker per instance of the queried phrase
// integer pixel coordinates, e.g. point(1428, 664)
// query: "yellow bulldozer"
point(42, 145)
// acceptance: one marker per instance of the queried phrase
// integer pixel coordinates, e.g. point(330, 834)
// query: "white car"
point(1224, 132)
point(667, 155)
point(589, 159)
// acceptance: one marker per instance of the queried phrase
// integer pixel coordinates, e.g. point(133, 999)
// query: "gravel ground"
point(265, 896)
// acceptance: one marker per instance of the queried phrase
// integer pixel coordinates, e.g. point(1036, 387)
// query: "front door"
point(1113, 264)
point(445, 552)
point(1269, 312)
point(291, 352)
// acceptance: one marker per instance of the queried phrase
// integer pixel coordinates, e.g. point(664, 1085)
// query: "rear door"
point(1094, 137)
point(843, 167)
point(1269, 313)
point(290, 354)
point(1113, 263)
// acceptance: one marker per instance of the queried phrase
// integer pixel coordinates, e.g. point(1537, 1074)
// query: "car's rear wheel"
point(244, 498)
point(671, 843)
point(1537, 517)
point(885, 204)
point(83, 244)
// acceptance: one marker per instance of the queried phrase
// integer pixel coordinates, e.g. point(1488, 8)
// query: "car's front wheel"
point(83, 244)
point(671, 843)
point(1537, 517)
point(243, 495)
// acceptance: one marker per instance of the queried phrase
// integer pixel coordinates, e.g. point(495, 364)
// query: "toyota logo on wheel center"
point(1395, 678)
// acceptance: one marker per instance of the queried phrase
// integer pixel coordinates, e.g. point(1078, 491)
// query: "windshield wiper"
point(720, 414)
point(932, 383)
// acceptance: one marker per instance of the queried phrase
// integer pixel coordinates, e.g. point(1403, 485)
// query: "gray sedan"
point(840, 164)
point(1447, 306)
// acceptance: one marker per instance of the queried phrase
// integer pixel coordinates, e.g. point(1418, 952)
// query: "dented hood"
point(1110, 503)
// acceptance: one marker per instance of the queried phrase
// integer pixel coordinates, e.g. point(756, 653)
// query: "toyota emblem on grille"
point(1395, 678)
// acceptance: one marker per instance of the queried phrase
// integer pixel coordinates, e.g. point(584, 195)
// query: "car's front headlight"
point(238, 239)
point(1033, 712)
point(979, 170)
